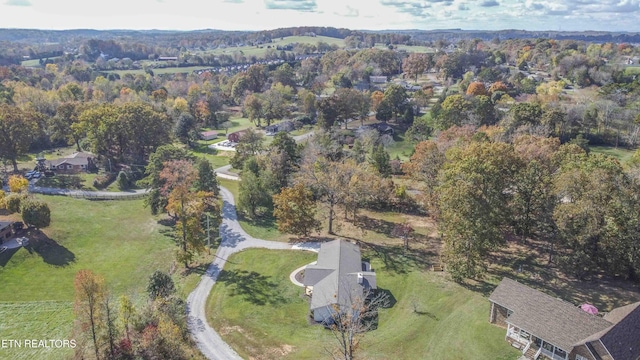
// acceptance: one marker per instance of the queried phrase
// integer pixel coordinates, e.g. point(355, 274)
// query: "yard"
point(119, 240)
point(263, 315)
point(620, 153)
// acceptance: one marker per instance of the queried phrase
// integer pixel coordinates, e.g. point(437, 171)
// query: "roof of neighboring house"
point(77, 158)
point(335, 276)
point(209, 133)
point(622, 339)
point(5, 224)
point(545, 316)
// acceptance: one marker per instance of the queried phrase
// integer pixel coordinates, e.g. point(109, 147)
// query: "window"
point(561, 353)
point(69, 166)
point(579, 357)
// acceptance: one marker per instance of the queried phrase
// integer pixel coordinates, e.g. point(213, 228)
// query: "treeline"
point(109, 327)
point(485, 189)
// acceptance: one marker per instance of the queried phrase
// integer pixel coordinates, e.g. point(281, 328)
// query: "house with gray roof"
point(74, 163)
point(338, 280)
point(543, 326)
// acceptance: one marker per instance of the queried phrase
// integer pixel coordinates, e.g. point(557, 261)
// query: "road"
point(234, 239)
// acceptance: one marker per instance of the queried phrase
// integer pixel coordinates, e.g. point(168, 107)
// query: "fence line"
point(89, 195)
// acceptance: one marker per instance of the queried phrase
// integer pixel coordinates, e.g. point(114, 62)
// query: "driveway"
point(234, 239)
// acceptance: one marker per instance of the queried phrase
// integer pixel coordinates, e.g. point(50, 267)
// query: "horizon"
point(364, 15)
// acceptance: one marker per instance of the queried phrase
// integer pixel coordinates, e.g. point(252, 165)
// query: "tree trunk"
point(331, 218)
point(15, 164)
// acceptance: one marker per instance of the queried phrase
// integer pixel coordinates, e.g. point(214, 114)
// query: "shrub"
point(35, 213)
point(17, 183)
point(13, 201)
point(160, 285)
point(102, 181)
point(123, 181)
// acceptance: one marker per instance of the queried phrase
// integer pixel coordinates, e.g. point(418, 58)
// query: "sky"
point(567, 15)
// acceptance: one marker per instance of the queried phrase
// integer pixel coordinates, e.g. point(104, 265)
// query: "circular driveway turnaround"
point(234, 239)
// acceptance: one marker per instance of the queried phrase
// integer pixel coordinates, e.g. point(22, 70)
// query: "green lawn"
point(632, 70)
point(262, 314)
point(119, 240)
point(400, 147)
point(620, 153)
point(36, 320)
point(265, 229)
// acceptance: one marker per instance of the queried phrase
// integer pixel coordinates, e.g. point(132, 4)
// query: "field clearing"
point(632, 70)
point(40, 320)
point(261, 313)
point(620, 153)
point(260, 50)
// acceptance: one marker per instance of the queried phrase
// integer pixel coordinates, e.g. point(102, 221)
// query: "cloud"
point(463, 6)
point(18, 3)
point(348, 12)
point(233, 1)
point(416, 8)
point(298, 5)
point(489, 3)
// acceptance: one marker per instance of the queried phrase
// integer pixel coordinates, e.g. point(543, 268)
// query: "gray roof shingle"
point(549, 318)
point(335, 276)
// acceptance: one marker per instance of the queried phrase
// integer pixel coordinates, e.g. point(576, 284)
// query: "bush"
point(17, 183)
point(160, 285)
point(102, 181)
point(35, 213)
point(13, 201)
point(123, 181)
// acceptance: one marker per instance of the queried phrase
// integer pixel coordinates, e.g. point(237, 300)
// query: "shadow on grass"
point(73, 182)
point(6, 255)
point(51, 252)
point(395, 258)
point(200, 269)
point(253, 287)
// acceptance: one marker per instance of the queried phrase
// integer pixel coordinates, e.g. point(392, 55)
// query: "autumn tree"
point(473, 201)
point(163, 154)
point(185, 206)
point(416, 64)
point(89, 294)
point(476, 88)
point(18, 128)
point(295, 210)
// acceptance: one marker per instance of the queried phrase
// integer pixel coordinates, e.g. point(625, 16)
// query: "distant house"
point(381, 127)
point(543, 326)
point(209, 135)
point(285, 126)
point(6, 230)
point(377, 79)
point(168, 58)
point(337, 280)
point(74, 163)
point(235, 136)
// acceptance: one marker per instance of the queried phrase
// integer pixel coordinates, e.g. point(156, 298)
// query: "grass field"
point(620, 153)
point(632, 70)
point(263, 315)
point(35, 320)
point(119, 240)
point(262, 49)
